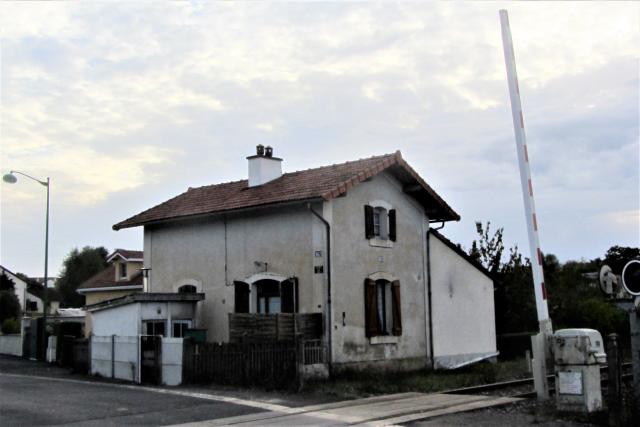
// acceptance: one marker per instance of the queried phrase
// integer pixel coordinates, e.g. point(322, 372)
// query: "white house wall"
point(194, 253)
point(122, 321)
point(463, 308)
point(354, 260)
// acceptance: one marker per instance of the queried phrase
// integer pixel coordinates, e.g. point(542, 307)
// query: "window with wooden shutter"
point(289, 293)
point(396, 305)
point(241, 297)
point(370, 308)
point(392, 225)
point(368, 222)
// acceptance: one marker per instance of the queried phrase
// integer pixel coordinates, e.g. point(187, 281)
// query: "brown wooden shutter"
point(370, 313)
point(241, 297)
point(289, 296)
point(392, 225)
point(368, 221)
point(396, 328)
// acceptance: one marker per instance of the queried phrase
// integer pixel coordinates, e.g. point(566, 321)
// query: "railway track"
point(524, 387)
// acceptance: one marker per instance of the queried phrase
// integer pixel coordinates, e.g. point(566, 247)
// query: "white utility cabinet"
point(578, 354)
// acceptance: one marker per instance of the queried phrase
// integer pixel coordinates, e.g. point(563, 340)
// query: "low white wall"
point(11, 344)
point(172, 361)
point(126, 356)
point(125, 351)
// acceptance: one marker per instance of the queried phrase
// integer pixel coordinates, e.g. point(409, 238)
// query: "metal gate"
point(151, 354)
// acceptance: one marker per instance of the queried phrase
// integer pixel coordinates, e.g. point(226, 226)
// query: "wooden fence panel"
point(256, 327)
point(273, 364)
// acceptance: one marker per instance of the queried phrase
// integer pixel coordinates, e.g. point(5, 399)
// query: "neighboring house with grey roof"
point(348, 242)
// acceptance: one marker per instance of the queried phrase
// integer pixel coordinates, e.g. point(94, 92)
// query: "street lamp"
point(10, 178)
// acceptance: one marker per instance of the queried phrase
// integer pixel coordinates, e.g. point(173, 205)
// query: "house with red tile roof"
point(341, 253)
point(123, 276)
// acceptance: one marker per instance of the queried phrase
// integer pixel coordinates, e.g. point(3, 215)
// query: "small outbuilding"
point(138, 337)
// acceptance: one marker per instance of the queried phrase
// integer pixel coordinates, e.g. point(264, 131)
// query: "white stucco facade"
point(128, 319)
point(464, 326)
point(212, 252)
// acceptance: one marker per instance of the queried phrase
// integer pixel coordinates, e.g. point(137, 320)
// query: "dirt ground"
point(526, 413)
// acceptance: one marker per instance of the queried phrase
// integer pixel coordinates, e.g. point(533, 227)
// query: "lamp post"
point(10, 178)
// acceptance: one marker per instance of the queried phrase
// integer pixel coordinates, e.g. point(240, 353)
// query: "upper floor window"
point(380, 222)
point(123, 270)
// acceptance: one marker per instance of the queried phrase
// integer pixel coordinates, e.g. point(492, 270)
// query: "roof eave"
point(123, 224)
point(447, 213)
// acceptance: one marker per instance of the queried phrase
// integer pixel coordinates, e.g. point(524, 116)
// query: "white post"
point(530, 210)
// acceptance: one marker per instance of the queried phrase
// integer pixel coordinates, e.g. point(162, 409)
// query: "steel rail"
point(519, 382)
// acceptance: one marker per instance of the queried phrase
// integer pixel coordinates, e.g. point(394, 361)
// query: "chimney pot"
point(268, 151)
point(260, 150)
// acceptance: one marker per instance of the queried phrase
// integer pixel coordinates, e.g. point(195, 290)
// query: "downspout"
point(328, 238)
point(226, 257)
point(429, 297)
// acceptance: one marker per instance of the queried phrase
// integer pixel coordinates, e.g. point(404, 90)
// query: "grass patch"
point(353, 384)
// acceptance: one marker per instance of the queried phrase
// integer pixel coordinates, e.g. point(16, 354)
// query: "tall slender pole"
point(11, 179)
point(541, 343)
point(45, 299)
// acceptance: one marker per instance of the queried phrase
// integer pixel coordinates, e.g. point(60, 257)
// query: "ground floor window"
point(154, 327)
point(179, 327)
point(270, 297)
point(382, 308)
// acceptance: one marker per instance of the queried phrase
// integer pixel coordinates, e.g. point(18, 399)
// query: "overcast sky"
point(125, 105)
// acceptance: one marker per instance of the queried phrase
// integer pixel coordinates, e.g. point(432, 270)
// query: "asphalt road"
point(33, 401)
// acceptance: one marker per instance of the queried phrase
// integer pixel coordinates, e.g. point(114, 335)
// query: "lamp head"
point(10, 178)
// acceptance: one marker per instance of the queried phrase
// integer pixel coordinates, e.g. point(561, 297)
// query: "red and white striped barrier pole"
point(529, 206)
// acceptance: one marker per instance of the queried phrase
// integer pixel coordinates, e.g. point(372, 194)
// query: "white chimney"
point(263, 167)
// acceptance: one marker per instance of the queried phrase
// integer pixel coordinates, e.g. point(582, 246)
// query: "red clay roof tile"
point(325, 182)
point(107, 279)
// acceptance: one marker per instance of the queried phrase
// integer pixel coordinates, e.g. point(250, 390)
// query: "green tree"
point(78, 266)
point(488, 249)
point(10, 326)
point(9, 305)
point(618, 256)
point(573, 301)
point(6, 284)
point(514, 299)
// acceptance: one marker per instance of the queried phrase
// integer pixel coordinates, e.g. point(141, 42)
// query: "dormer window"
point(123, 270)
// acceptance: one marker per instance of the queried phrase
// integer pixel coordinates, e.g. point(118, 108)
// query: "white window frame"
point(382, 239)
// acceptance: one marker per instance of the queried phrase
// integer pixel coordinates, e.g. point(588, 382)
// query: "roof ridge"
point(380, 156)
point(341, 164)
point(385, 161)
point(318, 183)
point(215, 185)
